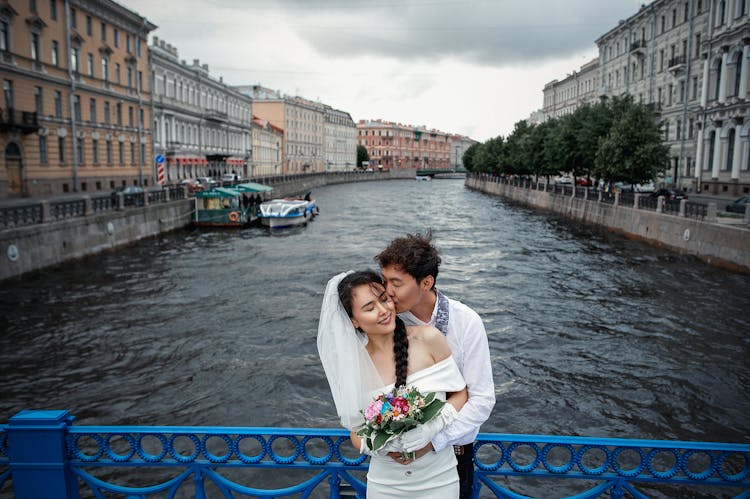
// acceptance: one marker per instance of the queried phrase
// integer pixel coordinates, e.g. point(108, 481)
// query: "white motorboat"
point(287, 212)
point(423, 178)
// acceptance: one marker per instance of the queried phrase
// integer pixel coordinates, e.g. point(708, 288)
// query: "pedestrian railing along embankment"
point(42, 454)
point(641, 201)
point(34, 211)
point(42, 211)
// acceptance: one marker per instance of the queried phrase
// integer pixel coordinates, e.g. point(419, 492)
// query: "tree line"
point(613, 140)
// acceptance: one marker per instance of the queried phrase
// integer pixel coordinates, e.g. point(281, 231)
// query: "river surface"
point(590, 333)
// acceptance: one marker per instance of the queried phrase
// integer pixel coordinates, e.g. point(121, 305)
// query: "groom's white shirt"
point(468, 342)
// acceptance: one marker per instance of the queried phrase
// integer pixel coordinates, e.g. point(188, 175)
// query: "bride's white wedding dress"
point(434, 475)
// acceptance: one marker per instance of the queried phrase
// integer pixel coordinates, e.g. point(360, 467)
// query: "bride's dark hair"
point(400, 341)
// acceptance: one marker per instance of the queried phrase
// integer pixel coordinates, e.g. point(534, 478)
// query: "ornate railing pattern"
point(67, 209)
point(696, 210)
point(18, 216)
point(99, 460)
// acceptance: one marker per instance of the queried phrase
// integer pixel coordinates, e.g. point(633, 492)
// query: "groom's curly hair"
point(414, 254)
point(400, 341)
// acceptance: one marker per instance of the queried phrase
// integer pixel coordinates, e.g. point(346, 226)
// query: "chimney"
point(196, 62)
point(156, 41)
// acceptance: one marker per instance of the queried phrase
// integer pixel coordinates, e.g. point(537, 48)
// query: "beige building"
point(302, 121)
point(565, 96)
point(267, 141)
point(202, 126)
point(76, 106)
point(688, 59)
point(393, 145)
point(340, 141)
point(458, 146)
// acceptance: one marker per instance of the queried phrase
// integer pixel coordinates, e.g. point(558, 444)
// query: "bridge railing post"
point(38, 455)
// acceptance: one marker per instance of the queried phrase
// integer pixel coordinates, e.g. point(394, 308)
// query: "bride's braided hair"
point(400, 341)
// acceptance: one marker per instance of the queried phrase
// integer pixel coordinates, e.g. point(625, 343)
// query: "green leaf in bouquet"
point(429, 411)
point(397, 426)
point(429, 398)
point(380, 440)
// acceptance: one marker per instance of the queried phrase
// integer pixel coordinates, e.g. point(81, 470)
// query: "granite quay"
point(36, 233)
point(683, 226)
point(45, 455)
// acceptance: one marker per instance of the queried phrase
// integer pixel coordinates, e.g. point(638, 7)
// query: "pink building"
point(393, 145)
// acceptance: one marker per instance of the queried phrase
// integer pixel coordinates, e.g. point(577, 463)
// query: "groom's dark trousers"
point(465, 467)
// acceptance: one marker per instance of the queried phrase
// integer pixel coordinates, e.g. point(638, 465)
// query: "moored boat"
point(286, 212)
point(235, 206)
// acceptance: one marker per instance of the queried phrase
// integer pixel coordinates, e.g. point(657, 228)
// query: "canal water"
point(590, 333)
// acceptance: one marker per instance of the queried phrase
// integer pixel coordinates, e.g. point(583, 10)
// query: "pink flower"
point(373, 409)
point(401, 405)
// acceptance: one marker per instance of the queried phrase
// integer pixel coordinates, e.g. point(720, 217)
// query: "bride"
point(366, 350)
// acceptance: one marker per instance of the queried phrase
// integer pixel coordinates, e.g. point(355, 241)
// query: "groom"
point(410, 267)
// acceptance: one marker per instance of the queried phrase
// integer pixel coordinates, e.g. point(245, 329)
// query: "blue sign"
point(160, 158)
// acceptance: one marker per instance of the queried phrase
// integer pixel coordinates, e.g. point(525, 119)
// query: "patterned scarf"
point(441, 318)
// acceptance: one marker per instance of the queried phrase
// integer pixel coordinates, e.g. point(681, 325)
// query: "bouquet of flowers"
point(396, 412)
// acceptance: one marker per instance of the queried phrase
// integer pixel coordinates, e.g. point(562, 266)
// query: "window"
point(132, 153)
point(38, 103)
point(105, 69)
point(661, 60)
point(104, 32)
point(130, 116)
point(121, 152)
point(108, 147)
point(92, 110)
point(666, 130)
point(58, 104)
point(95, 151)
point(106, 113)
point(128, 44)
point(43, 156)
point(4, 36)
point(116, 37)
point(118, 113)
point(138, 47)
point(674, 17)
point(686, 12)
point(77, 108)
point(130, 77)
point(718, 79)
point(721, 13)
point(73, 19)
point(140, 118)
point(90, 63)
point(691, 125)
point(55, 53)
point(117, 73)
point(8, 93)
point(140, 80)
point(737, 74)
point(143, 153)
point(678, 130)
point(61, 150)
point(53, 9)
point(79, 150)
point(74, 52)
point(89, 26)
point(730, 150)
point(35, 52)
point(663, 24)
point(682, 91)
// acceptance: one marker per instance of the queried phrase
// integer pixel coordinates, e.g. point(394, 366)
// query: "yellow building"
point(76, 106)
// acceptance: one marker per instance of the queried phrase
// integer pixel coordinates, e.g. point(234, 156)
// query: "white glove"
point(418, 437)
point(392, 446)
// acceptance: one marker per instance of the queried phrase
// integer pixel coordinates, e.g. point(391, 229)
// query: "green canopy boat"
point(234, 206)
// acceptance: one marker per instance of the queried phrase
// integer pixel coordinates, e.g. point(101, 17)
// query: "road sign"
point(160, 158)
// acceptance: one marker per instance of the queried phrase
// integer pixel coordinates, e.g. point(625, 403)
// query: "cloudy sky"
point(473, 67)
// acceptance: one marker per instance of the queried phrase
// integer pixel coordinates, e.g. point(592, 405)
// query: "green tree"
point(362, 155)
point(468, 157)
point(633, 150)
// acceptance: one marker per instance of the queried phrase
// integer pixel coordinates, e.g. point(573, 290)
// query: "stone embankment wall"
point(33, 247)
point(724, 245)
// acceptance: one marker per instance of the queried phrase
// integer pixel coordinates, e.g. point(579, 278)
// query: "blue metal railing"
point(43, 455)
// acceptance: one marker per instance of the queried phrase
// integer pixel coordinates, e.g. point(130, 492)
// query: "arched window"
point(738, 61)
point(721, 12)
point(711, 146)
point(718, 79)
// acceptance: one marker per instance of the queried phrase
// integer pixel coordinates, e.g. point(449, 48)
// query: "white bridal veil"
point(351, 373)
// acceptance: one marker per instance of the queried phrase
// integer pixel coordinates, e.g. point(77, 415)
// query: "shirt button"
point(408, 473)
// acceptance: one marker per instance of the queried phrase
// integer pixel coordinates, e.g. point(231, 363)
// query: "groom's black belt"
point(460, 450)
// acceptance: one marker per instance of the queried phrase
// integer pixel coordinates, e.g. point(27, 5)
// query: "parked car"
point(229, 177)
point(564, 180)
point(647, 187)
point(738, 205)
point(193, 185)
point(669, 194)
point(207, 182)
point(130, 189)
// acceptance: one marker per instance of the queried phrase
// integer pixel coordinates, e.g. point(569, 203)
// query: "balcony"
point(22, 121)
point(638, 47)
point(215, 115)
point(677, 65)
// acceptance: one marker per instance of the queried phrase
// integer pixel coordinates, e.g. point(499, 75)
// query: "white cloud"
point(471, 67)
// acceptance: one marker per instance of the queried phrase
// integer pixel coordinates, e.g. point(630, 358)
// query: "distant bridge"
point(436, 171)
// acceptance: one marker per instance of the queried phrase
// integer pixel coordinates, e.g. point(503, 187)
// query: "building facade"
point(580, 87)
point(302, 121)
point(202, 127)
point(394, 145)
point(76, 107)
point(688, 60)
point(340, 141)
point(459, 145)
point(267, 140)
